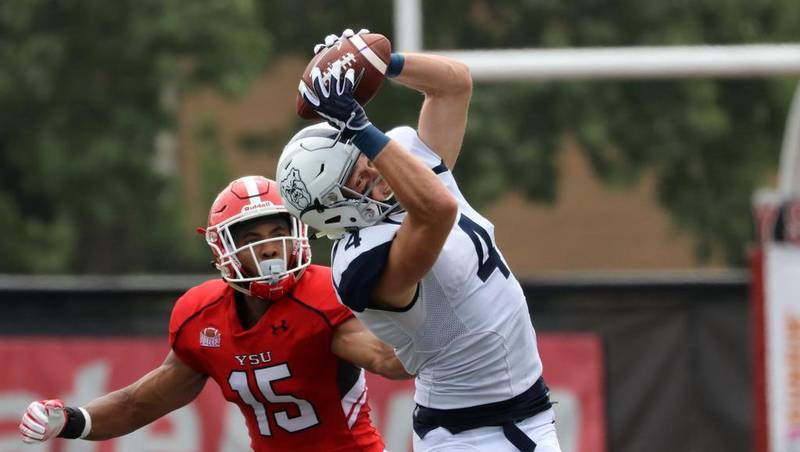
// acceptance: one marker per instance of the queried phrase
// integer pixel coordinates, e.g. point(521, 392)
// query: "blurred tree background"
point(82, 100)
point(86, 88)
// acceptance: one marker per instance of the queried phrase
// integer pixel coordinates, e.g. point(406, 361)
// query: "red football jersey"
point(295, 394)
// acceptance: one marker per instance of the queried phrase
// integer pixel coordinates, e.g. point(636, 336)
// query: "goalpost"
point(775, 264)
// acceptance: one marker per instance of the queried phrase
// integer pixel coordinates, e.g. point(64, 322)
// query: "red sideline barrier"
point(79, 370)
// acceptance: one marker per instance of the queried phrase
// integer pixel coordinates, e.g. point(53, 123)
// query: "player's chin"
point(380, 196)
point(382, 192)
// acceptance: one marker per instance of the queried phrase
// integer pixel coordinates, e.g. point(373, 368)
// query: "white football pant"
point(540, 428)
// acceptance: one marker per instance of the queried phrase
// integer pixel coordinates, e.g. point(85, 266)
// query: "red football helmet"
point(243, 200)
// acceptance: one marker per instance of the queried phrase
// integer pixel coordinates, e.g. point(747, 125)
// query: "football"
point(367, 53)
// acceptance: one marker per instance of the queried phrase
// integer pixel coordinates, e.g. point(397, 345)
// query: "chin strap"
point(272, 292)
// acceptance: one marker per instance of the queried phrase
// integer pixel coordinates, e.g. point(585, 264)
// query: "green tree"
point(81, 83)
point(709, 142)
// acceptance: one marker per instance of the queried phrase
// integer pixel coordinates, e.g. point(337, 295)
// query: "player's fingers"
point(308, 94)
point(320, 86)
point(28, 440)
point(37, 412)
point(349, 81)
point(36, 405)
point(320, 90)
point(336, 74)
point(53, 408)
point(336, 68)
point(54, 404)
point(341, 84)
point(330, 40)
point(33, 424)
point(27, 432)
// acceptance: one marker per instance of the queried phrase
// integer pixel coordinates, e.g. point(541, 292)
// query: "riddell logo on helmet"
point(210, 337)
point(257, 206)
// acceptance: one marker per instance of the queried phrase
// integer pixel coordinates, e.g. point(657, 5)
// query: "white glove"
point(333, 39)
point(44, 420)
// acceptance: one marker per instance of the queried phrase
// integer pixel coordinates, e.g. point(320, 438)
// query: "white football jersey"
point(467, 335)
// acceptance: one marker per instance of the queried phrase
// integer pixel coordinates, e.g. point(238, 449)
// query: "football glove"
point(333, 100)
point(42, 421)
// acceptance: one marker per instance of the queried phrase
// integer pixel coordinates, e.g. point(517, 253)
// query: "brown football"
point(367, 53)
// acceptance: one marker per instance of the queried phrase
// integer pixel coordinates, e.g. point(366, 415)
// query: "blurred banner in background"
point(636, 362)
point(89, 368)
point(775, 266)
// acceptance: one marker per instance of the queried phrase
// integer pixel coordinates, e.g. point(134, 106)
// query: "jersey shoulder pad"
point(409, 139)
point(315, 291)
point(194, 300)
point(358, 261)
point(357, 243)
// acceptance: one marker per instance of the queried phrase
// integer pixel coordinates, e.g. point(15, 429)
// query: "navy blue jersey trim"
point(440, 168)
point(346, 376)
point(334, 248)
point(358, 280)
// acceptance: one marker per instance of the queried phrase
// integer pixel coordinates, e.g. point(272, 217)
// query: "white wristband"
point(87, 427)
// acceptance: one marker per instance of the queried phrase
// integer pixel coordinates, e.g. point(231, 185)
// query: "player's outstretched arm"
point(354, 343)
point(447, 86)
point(166, 388)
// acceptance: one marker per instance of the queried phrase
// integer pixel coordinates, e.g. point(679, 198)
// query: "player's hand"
point(44, 420)
point(332, 39)
point(333, 100)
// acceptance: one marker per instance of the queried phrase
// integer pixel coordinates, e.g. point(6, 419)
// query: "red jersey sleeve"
point(316, 289)
point(186, 308)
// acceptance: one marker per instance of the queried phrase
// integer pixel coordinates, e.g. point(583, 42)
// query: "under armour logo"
point(276, 328)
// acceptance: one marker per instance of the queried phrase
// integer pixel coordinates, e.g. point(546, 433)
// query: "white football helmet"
point(312, 172)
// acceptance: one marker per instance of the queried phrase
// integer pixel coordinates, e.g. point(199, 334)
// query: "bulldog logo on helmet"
point(294, 190)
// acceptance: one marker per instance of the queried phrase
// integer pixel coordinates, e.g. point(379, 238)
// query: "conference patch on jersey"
point(210, 337)
point(294, 190)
